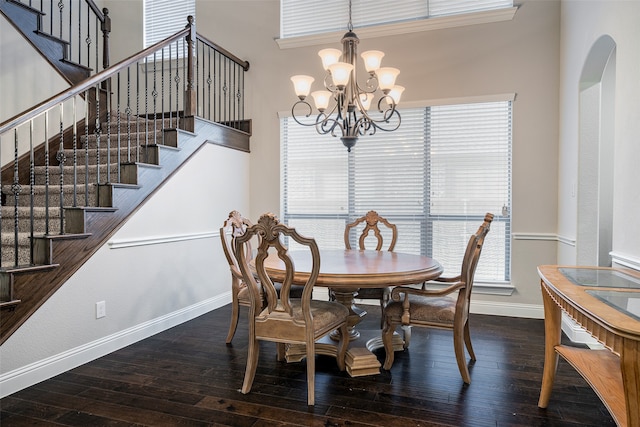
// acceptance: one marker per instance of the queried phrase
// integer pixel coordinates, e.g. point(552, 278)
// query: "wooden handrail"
point(244, 64)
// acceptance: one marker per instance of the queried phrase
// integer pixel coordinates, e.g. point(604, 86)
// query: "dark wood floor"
point(187, 376)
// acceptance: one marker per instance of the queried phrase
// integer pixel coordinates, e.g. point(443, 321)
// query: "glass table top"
point(600, 278)
point(624, 301)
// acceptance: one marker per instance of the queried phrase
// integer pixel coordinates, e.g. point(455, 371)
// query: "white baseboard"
point(34, 373)
point(577, 333)
point(530, 311)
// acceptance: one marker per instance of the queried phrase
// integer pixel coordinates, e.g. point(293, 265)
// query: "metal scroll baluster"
point(225, 92)
point(154, 94)
point(62, 158)
point(128, 112)
point(60, 8)
point(88, 40)
point(32, 183)
point(146, 103)
point(86, 149)
point(170, 79)
point(15, 189)
point(108, 126)
point(119, 130)
point(47, 176)
point(80, 31)
point(75, 155)
point(209, 83)
point(162, 96)
point(177, 79)
point(97, 132)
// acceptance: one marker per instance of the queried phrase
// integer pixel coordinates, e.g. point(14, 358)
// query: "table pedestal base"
point(359, 361)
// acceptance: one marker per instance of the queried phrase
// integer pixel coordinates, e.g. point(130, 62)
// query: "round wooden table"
point(346, 271)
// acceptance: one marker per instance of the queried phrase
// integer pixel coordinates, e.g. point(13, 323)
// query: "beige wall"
point(520, 56)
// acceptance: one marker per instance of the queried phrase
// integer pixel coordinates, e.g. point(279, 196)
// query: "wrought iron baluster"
point(87, 119)
point(60, 156)
point(32, 183)
point(170, 79)
point(75, 155)
point(154, 94)
point(88, 40)
point(15, 190)
point(209, 82)
point(97, 132)
point(118, 118)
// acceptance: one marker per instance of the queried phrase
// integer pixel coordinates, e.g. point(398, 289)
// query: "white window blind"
point(435, 178)
point(163, 18)
point(304, 17)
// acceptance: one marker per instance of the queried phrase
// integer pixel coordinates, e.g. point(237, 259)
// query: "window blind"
point(163, 18)
point(435, 178)
point(305, 17)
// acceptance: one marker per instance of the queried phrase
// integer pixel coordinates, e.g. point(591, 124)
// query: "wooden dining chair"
point(234, 226)
point(438, 308)
point(372, 220)
point(283, 319)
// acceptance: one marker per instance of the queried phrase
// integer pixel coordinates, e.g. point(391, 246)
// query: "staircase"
point(82, 175)
point(48, 28)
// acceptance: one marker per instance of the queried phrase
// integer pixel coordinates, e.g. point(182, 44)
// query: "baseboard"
point(509, 309)
point(577, 333)
point(36, 372)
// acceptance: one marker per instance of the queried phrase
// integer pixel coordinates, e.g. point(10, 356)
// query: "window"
point(163, 18)
point(305, 17)
point(435, 178)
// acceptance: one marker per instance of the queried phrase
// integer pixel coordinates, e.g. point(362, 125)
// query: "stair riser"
point(80, 177)
point(124, 141)
point(81, 158)
point(132, 126)
point(24, 199)
point(24, 226)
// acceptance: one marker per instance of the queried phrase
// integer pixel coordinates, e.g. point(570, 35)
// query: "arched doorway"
point(596, 155)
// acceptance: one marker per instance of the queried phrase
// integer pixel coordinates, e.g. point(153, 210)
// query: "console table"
point(606, 302)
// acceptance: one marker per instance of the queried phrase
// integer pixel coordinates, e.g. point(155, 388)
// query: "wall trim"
point(625, 260)
point(36, 372)
point(160, 240)
point(406, 27)
point(567, 240)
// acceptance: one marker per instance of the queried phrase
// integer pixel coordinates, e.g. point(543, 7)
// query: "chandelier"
point(349, 114)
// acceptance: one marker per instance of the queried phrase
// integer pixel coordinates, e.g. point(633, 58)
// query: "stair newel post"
point(190, 92)
point(105, 26)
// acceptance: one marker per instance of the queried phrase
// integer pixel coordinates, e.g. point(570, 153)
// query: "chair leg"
point(387, 340)
point(458, 347)
point(252, 364)
point(342, 347)
point(467, 341)
point(311, 373)
point(235, 313)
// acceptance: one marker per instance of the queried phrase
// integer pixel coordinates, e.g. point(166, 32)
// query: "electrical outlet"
point(101, 309)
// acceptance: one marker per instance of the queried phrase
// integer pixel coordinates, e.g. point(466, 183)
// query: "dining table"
point(345, 271)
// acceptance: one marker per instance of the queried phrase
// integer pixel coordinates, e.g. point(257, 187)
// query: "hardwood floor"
point(187, 376)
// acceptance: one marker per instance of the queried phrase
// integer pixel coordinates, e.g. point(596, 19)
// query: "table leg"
point(552, 331)
point(630, 367)
point(346, 297)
